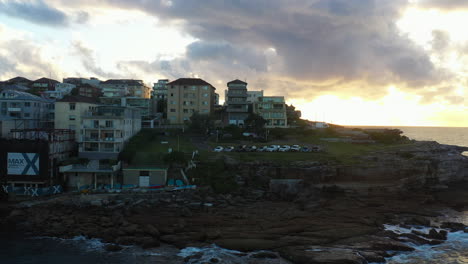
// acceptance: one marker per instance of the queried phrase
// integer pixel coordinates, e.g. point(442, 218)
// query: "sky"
point(350, 62)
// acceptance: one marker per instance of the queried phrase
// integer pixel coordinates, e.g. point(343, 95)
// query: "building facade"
point(143, 104)
point(44, 84)
point(69, 113)
point(273, 110)
point(21, 110)
point(125, 87)
point(237, 107)
point(105, 130)
point(252, 96)
point(187, 96)
point(160, 89)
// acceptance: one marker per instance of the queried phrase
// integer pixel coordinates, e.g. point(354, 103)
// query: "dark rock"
point(185, 212)
point(306, 255)
point(269, 255)
point(151, 230)
point(454, 227)
point(373, 257)
point(214, 260)
point(112, 248)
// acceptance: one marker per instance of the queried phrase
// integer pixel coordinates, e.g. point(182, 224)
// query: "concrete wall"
point(157, 177)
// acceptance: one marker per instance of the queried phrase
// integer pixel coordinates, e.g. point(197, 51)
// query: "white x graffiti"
point(56, 189)
point(26, 190)
point(5, 188)
point(34, 192)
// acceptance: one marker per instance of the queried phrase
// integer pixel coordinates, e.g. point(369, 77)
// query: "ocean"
point(16, 249)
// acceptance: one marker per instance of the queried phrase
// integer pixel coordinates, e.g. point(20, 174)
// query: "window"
point(172, 103)
point(27, 115)
point(173, 110)
point(95, 123)
point(109, 123)
point(72, 117)
point(205, 87)
point(205, 111)
point(27, 104)
point(205, 103)
point(172, 94)
point(185, 111)
point(205, 95)
point(72, 127)
point(72, 106)
point(144, 173)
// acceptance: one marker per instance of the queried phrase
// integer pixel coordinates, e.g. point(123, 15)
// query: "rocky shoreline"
point(320, 226)
point(329, 214)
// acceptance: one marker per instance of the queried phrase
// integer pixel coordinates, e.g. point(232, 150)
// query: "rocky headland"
point(326, 213)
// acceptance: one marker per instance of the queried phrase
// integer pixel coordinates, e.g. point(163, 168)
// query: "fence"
point(31, 191)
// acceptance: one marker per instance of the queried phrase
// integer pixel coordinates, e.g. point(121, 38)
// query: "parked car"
point(262, 149)
point(251, 148)
point(305, 149)
point(218, 149)
point(272, 148)
point(295, 148)
point(316, 149)
point(284, 148)
point(229, 149)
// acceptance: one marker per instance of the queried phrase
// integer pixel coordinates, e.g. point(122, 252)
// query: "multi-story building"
point(252, 96)
point(105, 129)
point(160, 89)
point(82, 81)
point(19, 81)
point(186, 96)
point(273, 110)
point(137, 102)
point(44, 84)
point(125, 87)
point(61, 89)
point(21, 110)
point(89, 91)
point(236, 102)
point(69, 112)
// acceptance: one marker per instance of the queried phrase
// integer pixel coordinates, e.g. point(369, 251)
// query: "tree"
point(201, 122)
point(292, 114)
point(255, 122)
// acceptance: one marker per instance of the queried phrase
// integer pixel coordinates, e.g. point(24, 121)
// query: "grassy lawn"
point(342, 152)
point(149, 146)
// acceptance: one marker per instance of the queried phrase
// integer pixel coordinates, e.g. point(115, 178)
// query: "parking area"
point(268, 148)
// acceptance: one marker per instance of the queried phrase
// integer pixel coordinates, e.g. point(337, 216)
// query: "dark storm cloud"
point(34, 11)
point(315, 40)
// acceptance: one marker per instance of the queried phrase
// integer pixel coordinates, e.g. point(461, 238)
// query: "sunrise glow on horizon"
point(348, 62)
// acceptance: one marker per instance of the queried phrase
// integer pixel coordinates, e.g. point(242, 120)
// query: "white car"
point(218, 149)
point(272, 148)
point(295, 148)
point(284, 148)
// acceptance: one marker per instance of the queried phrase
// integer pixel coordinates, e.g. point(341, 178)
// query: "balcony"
point(14, 109)
point(108, 140)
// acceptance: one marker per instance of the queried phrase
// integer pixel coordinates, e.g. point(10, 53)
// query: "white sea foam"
point(454, 250)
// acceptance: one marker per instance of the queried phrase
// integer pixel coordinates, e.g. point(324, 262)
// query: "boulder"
point(151, 230)
point(306, 255)
point(453, 227)
point(112, 248)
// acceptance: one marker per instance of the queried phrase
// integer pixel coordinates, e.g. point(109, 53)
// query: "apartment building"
point(252, 96)
point(60, 90)
point(22, 110)
point(236, 101)
point(273, 110)
point(106, 128)
point(143, 104)
point(69, 112)
point(89, 91)
point(44, 84)
point(186, 96)
point(125, 87)
point(82, 81)
point(160, 89)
